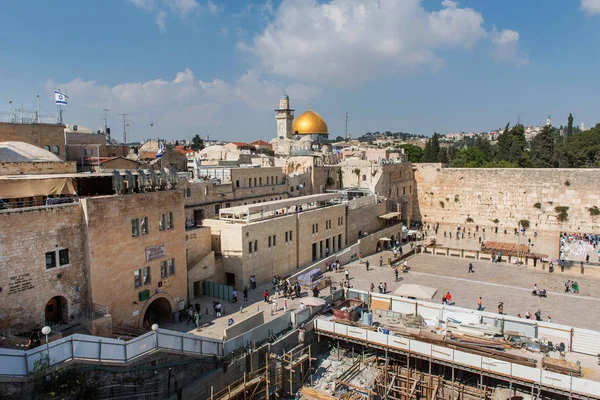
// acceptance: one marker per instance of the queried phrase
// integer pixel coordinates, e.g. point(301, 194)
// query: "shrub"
point(524, 223)
point(594, 211)
point(470, 219)
point(442, 204)
point(567, 183)
point(456, 199)
point(563, 213)
point(538, 205)
point(496, 220)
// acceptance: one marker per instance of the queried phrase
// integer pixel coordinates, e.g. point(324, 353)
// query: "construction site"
point(359, 348)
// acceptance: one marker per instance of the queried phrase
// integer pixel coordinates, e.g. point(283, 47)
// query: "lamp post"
point(155, 329)
point(46, 331)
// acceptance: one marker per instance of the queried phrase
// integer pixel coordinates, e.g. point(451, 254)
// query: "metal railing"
point(21, 116)
point(98, 312)
point(51, 201)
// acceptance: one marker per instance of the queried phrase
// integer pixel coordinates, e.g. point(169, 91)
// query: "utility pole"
point(37, 98)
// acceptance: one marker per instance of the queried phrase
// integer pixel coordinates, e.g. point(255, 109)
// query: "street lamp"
point(46, 331)
point(154, 327)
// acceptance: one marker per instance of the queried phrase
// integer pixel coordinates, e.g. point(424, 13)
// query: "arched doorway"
point(158, 311)
point(57, 310)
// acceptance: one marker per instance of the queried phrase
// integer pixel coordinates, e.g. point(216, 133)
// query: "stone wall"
point(39, 135)
point(26, 235)
point(508, 195)
point(363, 218)
point(37, 168)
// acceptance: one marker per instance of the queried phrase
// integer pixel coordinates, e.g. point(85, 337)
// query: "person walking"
point(396, 273)
point(197, 319)
point(367, 265)
point(274, 307)
point(246, 294)
point(190, 314)
point(284, 306)
point(479, 304)
point(266, 296)
point(234, 296)
point(371, 288)
point(381, 261)
point(380, 287)
point(471, 270)
point(347, 273)
point(384, 287)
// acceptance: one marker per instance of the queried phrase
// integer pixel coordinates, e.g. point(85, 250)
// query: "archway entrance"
point(158, 311)
point(57, 310)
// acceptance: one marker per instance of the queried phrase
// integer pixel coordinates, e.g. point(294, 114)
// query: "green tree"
point(414, 153)
point(339, 139)
point(443, 156)
point(570, 125)
point(469, 157)
point(484, 145)
point(432, 149)
point(503, 144)
point(542, 149)
point(197, 143)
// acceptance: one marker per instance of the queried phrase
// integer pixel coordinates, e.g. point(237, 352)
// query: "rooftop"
point(25, 152)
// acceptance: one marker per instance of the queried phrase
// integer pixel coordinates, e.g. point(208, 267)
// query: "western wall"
point(508, 195)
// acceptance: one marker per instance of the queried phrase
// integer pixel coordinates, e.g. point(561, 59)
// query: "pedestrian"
point(471, 270)
point(549, 318)
point(448, 298)
point(527, 315)
point(367, 264)
point(360, 257)
point(190, 313)
point(396, 273)
point(234, 296)
point(284, 306)
point(384, 287)
point(197, 319)
point(576, 287)
point(230, 321)
point(381, 261)
point(405, 265)
point(245, 294)
point(380, 287)
point(326, 251)
point(479, 304)
point(218, 309)
point(371, 288)
point(347, 275)
point(274, 307)
point(266, 296)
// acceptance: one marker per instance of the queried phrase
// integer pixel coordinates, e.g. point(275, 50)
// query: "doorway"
point(230, 279)
point(158, 311)
point(198, 217)
point(197, 289)
point(57, 310)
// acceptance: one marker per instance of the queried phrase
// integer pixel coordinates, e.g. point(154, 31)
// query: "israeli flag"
point(60, 98)
point(161, 151)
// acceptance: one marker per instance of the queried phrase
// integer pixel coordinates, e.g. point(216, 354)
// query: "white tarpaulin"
point(416, 291)
point(19, 188)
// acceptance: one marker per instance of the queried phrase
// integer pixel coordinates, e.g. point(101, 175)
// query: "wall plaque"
point(19, 283)
point(155, 252)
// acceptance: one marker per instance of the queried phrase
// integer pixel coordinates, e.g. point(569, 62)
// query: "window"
point(163, 269)
point(227, 205)
point(171, 266)
point(291, 236)
point(250, 247)
point(274, 240)
point(188, 192)
point(217, 208)
point(403, 189)
point(317, 228)
point(146, 275)
point(51, 259)
point(135, 227)
point(255, 246)
point(47, 148)
point(137, 278)
point(55, 150)
point(410, 189)
point(268, 180)
point(162, 222)
point(63, 256)
point(144, 226)
point(277, 180)
point(237, 183)
point(169, 220)
point(286, 237)
point(254, 181)
point(364, 177)
point(269, 242)
point(260, 181)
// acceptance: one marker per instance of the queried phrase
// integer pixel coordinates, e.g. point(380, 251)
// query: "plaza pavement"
point(495, 283)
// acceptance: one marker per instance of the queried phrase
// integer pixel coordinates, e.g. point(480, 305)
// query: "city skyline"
point(218, 68)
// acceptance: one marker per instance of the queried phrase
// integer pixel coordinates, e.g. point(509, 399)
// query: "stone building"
point(278, 237)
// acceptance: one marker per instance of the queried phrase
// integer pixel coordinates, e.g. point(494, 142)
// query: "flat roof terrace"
point(272, 209)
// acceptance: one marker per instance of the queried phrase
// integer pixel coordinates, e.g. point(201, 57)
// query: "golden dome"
point(309, 123)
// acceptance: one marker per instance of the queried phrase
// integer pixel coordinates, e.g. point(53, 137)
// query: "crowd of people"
point(578, 246)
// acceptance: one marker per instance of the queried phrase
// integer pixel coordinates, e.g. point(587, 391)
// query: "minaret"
point(582, 127)
point(548, 121)
point(284, 117)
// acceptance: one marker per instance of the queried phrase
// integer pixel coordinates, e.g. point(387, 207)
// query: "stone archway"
point(57, 310)
point(157, 310)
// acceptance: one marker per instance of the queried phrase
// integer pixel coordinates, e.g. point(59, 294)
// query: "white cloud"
point(344, 41)
point(179, 105)
point(214, 8)
point(590, 7)
point(143, 4)
point(505, 46)
point(182, 7)
point(161, 20)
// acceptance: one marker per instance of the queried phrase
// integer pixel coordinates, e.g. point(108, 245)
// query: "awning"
point(390, 215)
point(18, 188)
point(385, 239)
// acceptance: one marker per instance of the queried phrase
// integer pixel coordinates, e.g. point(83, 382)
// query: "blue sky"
point(219, 67)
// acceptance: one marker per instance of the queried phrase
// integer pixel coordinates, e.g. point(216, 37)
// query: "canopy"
point(18, 188)
point(313, 301)
point(385, 239)
point(416, 291)
point(389, 215)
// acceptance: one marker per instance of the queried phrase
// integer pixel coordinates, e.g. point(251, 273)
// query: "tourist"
point(536, 291)
point(302, 306)
point(284, 306)
point(218, 309)
point(367, 264)
point(527, 315)
point(266, 296)
point(274, 305)
point(396, 273)
point(326, 251)
point(190, 313)
point(501, 309)
point(315, 292)
point(380, 287)
point(197, 317)
point(538, 315)
point(371, 288)
point(519, 316)
point(479, 304)
point(245, 294)
point(381, 261)
point(230, 321)
point(405, 265)
point(445, 233)
point(448, 298)
point(384, 287)
point(234, 296)
point(549, 318)
point(471, 270)
point(297, 290)
point(575, 287)
point(347, 273)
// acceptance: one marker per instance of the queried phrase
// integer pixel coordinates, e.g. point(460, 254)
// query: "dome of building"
point(24, 152)
point(309, 123)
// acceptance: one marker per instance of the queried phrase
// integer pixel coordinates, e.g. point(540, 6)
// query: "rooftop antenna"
point(519, 119)
point(347, 137)
point(125, 127)
point(105, 119)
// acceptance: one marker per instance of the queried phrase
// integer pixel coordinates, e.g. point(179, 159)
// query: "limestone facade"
point(508, 195)
point(37, 168)
point(42, 256)
point(48, 136)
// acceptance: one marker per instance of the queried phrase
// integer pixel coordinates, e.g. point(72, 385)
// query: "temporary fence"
point(505, 370)
point(105, 350)
point(218, 290)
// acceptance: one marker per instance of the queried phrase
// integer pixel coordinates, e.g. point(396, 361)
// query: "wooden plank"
point(314, 394)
